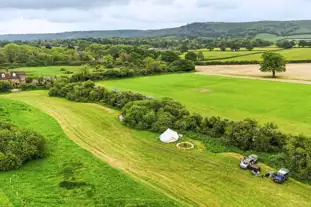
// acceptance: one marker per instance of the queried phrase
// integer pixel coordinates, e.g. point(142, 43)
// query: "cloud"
point(58, 4)
point(35, 16)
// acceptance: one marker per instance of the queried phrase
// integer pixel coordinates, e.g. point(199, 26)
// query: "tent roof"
point(169, 136)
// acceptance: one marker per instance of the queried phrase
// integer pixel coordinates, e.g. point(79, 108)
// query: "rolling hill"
point(206, 29)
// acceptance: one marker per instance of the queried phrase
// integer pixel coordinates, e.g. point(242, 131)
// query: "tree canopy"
point(273, 62)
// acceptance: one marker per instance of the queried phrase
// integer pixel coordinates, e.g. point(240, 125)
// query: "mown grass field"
point(47, 70)
point(193, 178)
point(37, 182)
point(286, 104)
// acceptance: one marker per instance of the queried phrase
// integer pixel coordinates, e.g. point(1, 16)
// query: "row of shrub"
point(18, 146)
point(175, 66)
point(89, 92)
point(243, 62)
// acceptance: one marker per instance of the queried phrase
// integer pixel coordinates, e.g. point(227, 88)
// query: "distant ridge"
point(206, 29)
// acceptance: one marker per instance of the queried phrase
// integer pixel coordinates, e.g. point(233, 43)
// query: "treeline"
point(14, 55)
point(235, 44)
point(145, 113)
point(171, 43)
point(18, 146)
point(152, 67)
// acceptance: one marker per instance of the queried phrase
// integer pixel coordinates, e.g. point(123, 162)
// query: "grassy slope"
point(47, 71)
point(36, 184)
point(284, 103)
point(197, 177)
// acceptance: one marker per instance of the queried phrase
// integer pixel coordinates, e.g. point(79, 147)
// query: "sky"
point(50, 16)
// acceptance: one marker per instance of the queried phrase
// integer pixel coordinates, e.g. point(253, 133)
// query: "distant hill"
point(207, 29)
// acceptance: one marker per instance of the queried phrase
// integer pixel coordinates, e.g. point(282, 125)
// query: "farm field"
point(47, 70)
point(290, 54)
point(37, 182)
point(286, 104)
point(194, 178)
point(245, 55)
point(217, 54)
point(295, 72)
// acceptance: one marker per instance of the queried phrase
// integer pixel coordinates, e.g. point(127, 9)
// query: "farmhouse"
point(14, 77)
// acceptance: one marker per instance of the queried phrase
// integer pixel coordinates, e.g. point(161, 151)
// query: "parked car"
point(281, 176)
point(249, 162)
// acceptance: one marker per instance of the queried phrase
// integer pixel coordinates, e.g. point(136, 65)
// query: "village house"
point(13, 77)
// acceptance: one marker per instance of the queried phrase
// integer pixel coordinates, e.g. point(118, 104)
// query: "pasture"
point(47, 70)
point(289, 54)
point(37, 183)
point(245, 55)
point(191, 178)
point(286, 104)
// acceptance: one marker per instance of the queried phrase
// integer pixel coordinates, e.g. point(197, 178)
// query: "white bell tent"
point(169, 136)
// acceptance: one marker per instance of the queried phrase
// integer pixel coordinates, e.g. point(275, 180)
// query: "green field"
point(286, 104)
point(274, 38)
point(218, 55)
point(291, 54)
point(193, 178)
point(36, 183)
point(47, 71)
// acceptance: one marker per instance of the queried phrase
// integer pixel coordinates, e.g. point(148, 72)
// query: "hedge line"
point(18, 146)
point(175, 66)
point(144, 113)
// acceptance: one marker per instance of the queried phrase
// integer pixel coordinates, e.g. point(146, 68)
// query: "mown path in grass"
point(37, 182)
point(194, 178)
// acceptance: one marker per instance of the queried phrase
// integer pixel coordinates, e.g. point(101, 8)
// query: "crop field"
point(190, 178)
point(48, 70)
point(37, 183)
point(299, 73)
point(286, 104)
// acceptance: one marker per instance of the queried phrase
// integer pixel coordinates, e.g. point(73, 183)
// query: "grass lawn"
point(47, 71)
point(193, 178)
point(37, 182)
point(286, 104)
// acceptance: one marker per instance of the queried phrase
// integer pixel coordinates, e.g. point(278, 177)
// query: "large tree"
point(273, 62)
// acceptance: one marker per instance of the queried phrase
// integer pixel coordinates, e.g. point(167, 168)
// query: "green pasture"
point(47, 70)
point(287, 104)
point(37, 182)
point(289, 54)
point(191, 178)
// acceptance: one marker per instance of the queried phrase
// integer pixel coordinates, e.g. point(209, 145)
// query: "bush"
point(5, 86)
point(191, 56)
point(62, 69)
point(18, 146)
point(182, 65)
point(28, 86)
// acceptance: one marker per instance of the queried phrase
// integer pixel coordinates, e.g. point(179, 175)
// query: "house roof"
point(11, 75)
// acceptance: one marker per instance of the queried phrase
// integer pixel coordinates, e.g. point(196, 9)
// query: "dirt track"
point(296, 73)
